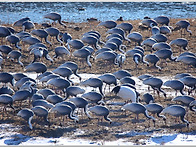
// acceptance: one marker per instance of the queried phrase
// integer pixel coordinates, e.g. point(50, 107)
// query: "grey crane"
point(144, 76)
point(75, 43)
point(83, 53)
point(93, 82)
point(60, 51)
point(114, 35)
point(127, 27)
point(160, 45)
point(6, 77)
point(46, 73)
point(37, 96)
point(95, 34)
point(1, 62)
point(164, 54)
point(37, 67)
point(153, 59)
point(155, 84)
point(24, 94)
point(111, 45)
point(65, 38)
point(54, 98)
point(137, 58)
point(48, 77)
point(118, 31)
point(81, 102)
point(13, 39)
point(189, 81)
point(93, 97)
point(136, 37)
point(12, 30)
point(37, 45)
point(91, 40)
point(54, 32)
point(176, 85)
point(187, 53)
point(127, 79)
point(37, 52)
point(4, 32)
point(184, 99)
point(5, 49)
point(108, 79)
point(101, 111)
point(22, 34)
point(163, 20)
point(27, 114)
point(148, 98)
point(42, 102)
point(59, 83)
point(20, 82)
point(108, 24)
point(27, 25)
point(45, 25)
point(183, 24)
point(180, 42)
point(30, 40)
point(125, 92)
point(109, 56)
point(73, 91)
point(42, 112)
point(156, 108)
point(160, 37)
point(19, 22)
point(189, 60)
point(42, 34)
point(148, 22)
point(137, 108)
point(65, 72)
point(181, 75)
point(118, 42)
point(103, 49)
point(63, 110)
point(177, 111)
point(148, 43)
point(192, 105)
point(15, 55)
point(71, 104)
point(55, 17)
point(73, 66)
point(155, 30)
point(6, 99)
point(121, 74)
point(6, 90)
point(165, 30)
point(132, 52)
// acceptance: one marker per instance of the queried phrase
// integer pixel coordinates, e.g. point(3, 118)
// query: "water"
point(13, 11)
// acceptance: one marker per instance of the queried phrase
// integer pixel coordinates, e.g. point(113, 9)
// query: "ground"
point(102, 130)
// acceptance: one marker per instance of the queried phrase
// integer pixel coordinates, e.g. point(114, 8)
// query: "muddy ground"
point(122, 122)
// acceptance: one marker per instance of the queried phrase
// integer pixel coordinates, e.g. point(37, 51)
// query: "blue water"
point(13, 11)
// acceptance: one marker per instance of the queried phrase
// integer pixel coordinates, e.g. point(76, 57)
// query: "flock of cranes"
point(62, 96)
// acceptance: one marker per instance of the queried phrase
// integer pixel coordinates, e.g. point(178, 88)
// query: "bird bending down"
point(101, 111)
point(137, 108)
point(177, 111)
point(27, 114)
point(55, 17)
